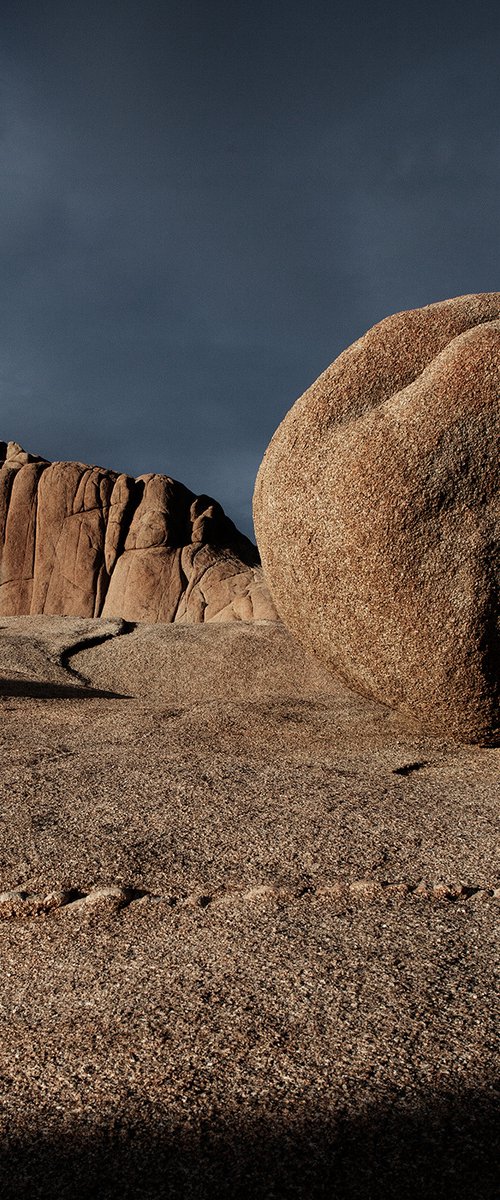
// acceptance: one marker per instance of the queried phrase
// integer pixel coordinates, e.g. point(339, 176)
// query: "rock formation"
point(377, 516)
point(83, 541)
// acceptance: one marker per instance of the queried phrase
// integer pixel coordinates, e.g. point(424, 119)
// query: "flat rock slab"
point(247, 925)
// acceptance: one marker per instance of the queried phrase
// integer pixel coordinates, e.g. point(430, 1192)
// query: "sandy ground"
point(247, 926)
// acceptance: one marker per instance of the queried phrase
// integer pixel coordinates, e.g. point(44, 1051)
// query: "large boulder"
point(377, 515)
point(87, 542)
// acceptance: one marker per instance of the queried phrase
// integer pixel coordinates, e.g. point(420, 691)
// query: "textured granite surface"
point(378, 519)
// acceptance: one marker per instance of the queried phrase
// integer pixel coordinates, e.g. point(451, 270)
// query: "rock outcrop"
point(377, 516)
point(83, 541)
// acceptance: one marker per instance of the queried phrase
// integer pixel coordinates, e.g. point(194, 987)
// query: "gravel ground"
point(247, 926)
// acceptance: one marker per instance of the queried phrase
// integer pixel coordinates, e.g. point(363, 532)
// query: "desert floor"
point(247, 926)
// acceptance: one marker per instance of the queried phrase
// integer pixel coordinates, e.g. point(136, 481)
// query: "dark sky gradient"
point(203, 203)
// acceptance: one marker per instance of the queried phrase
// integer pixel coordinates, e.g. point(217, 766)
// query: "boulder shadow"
point(443, 1148)
point(41, 690)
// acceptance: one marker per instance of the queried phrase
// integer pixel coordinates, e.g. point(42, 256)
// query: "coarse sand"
point(247, 926)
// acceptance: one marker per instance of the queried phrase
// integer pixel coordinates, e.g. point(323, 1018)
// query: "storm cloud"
point(202, 204)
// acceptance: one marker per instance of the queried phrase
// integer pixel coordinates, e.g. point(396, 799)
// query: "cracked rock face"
point(377, 515)
point(84, 541)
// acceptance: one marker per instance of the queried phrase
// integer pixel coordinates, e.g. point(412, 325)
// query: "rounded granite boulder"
point(377, 516)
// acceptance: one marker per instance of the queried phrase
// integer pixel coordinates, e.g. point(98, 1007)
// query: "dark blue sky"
point(203, 203)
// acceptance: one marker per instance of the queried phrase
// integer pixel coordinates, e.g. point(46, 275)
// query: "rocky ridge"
point(78, 540)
